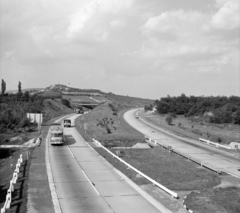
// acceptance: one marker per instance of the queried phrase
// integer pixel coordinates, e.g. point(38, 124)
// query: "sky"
point(139, 48)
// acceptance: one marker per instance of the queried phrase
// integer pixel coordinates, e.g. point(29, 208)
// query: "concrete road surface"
point(224, 160)
point(82, 181)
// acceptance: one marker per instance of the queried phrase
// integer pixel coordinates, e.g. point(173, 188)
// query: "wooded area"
point(13, 109)
point(220, 109)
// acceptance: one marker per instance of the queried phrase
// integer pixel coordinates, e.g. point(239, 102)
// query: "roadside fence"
point(8, 200)
point(189, 157)
point(215, 144)
point(173, 194)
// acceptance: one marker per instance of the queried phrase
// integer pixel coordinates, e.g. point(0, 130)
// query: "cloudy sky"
point(133, 47)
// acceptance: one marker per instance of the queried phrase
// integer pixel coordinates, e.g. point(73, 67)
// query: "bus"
point(56, 136)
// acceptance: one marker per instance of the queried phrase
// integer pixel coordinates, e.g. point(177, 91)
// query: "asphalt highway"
point(217, 158)
point(84, 182)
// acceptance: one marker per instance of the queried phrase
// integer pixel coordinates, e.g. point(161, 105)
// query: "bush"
point(219, 139)
point(169, 119)
point(109, 131)
point(66, 103)
point(197, 132)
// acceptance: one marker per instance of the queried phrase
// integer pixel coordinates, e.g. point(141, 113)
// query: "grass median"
point(169, 169)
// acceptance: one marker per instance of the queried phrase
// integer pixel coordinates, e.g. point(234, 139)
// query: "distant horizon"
point(121, 94)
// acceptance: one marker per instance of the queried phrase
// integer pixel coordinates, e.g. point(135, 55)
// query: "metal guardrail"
point(173, 194)
point(8, 200)
point(215, 144)
point(189, 157)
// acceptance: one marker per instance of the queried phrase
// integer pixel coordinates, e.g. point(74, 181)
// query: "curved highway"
point(218, 158)
point(82, 181)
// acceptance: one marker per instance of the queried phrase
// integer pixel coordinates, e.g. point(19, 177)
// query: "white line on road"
point(85, 174)
point(71, 152)
point(56, 204)
point(91, 183)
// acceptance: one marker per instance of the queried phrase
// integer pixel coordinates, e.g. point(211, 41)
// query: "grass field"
point(54, 108)
point(170, 170)
point(222, 200)
point(194, 129)
point(79, 98)
point(130, 101)
point(121, 134)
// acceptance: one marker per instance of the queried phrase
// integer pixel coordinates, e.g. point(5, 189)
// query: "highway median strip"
point(173, 194)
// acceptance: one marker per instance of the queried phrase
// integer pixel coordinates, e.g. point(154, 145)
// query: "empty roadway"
point(224, 160)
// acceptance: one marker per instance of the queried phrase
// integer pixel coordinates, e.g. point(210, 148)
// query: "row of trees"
point(220, 109)
point(4, 85)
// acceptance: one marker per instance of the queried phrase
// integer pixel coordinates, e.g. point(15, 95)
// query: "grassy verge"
point(215, 200)
point(54, 108)
point(170, 170)
point(121, 133)
point(8, 161)
point(192, 128)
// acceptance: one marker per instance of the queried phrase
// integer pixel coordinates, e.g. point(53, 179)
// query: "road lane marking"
point(56, 204)
point(71, 152)
point(92, 184)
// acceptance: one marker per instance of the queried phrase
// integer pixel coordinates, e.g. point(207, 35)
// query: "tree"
point(66, 103)
point(19, 88)
point(3, 87)
point(163, 107)
point(236, 117)
point(169, 119)
point(26, 96)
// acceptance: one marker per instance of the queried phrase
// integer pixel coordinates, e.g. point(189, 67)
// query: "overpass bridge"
point(88, 105)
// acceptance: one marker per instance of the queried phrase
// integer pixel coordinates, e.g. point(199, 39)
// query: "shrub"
point(197, 132)
point(169, 119)
point(208, 135)
point(66, 103)
point(109, 131)
point(219, 139)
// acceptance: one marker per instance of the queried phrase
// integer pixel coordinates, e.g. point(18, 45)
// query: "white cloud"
point(228, 15)
point(174, 24)
point(189, 36)
point(117, 24)
point(85, 22)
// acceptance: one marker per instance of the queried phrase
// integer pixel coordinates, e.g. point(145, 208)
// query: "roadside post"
point(85, 126)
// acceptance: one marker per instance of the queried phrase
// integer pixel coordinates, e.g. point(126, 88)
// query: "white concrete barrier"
point(215, 144)
point(8, 200)
point(174, 194)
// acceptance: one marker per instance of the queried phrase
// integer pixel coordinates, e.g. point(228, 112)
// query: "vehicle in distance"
point(78, 111)
point(66, 123)
point(56, 136)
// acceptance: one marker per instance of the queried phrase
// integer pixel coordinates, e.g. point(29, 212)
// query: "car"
point(66, 123)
